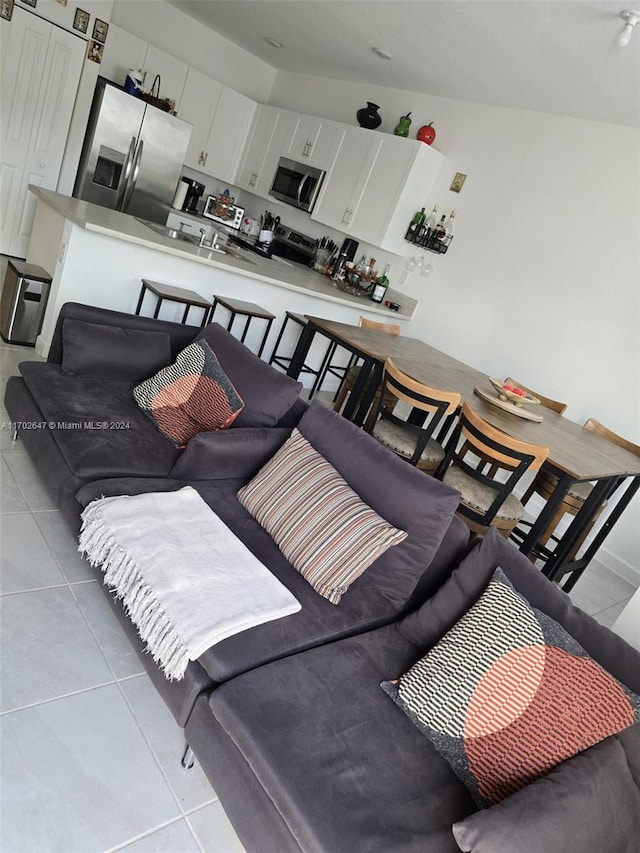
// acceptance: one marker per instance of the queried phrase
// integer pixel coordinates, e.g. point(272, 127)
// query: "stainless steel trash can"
point(23, 303)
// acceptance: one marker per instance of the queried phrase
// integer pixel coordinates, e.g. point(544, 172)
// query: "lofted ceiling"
point(554, 56)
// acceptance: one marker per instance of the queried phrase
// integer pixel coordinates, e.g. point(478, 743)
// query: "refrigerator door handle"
point(134, 177)
point(126, 172)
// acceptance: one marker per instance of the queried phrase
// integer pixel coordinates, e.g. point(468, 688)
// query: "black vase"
point(369, 116)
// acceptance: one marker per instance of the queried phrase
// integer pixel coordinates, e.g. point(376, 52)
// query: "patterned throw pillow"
point(507, 695)
point(190, 396)
point(320, 524)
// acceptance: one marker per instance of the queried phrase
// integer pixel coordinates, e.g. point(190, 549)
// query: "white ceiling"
point(555, 56)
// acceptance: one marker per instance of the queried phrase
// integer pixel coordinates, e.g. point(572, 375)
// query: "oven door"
point(296, 184)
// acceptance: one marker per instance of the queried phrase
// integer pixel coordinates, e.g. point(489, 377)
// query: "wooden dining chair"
point(353, 370)
point(412, 442)
point(484, 465)
point(545, 484)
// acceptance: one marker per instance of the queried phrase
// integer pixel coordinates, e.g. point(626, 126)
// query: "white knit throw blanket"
point(186, 581)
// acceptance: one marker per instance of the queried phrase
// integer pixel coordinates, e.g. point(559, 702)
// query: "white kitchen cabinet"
point(390, 178)
point(122, 51)
point(314, 141)
point(172, 71)
point(198, 104)
point(268, 139)
point(345, 183)
point(229, 132)
point(40, 78)
point(221, 118)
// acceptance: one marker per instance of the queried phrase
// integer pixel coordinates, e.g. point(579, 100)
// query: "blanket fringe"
point(122, 574)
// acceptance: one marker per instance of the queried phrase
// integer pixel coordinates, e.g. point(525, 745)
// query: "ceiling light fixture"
point(383, 54)
point(630, 20)
point(273, 42)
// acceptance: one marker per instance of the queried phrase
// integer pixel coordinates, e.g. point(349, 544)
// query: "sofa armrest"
point(229, 454)
point(179, 334)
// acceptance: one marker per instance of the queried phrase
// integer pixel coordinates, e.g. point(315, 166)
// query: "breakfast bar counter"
point(99, 257)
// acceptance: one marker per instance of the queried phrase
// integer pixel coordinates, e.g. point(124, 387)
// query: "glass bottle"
point(382, 283)
point(430, 224)
point(415, 224)
point(339, 269)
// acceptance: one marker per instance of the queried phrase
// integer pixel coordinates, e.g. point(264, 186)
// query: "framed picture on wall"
point(94, 51)
point(6, 9)
point(100, 29)
point(31, 3)
point(81, 20)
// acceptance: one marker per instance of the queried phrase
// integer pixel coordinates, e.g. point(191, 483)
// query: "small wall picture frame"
point(95, 51)
point(62, 2)
point(81, 21)
point(6, 9)
point(32, 3)
point(100, 30)
point(457, 182)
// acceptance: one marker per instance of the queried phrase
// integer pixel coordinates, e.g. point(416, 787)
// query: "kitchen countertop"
point(276, 271)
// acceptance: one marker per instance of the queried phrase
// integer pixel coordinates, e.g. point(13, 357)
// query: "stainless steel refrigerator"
point(132, 155)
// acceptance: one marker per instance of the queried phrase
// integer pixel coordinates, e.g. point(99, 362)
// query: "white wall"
point(169, 29)
point(541, 281)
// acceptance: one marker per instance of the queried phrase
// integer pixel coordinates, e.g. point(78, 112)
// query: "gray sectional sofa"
point(288, 719)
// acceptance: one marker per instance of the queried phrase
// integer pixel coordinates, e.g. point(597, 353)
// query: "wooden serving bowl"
point(505, 394)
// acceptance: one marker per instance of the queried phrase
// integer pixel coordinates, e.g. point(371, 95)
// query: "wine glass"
point(410, 264)
point(427, 267)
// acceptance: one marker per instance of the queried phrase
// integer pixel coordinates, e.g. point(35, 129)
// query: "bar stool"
point(284, 361)
point(188, 298)
point(237, 307)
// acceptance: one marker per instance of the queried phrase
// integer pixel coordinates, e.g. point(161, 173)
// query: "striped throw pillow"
point(320, 524)
point(190, 396)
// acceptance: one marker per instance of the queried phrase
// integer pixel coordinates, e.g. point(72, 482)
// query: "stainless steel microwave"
point(297, 184)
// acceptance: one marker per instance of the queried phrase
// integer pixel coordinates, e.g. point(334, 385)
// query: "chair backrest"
point(435, 404)
point(389, 328)
point(490, 450)
point(547, 402)
point(595, 426)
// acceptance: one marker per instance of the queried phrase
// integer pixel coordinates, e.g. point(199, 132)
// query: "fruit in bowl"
point(512, 393)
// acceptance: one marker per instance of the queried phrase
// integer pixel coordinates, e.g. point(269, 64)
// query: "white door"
point(39, 84)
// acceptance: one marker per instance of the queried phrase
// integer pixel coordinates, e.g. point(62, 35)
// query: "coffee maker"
point(192, 196)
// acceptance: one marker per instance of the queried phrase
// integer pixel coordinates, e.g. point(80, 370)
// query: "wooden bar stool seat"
point(248, 310)
point(188, 298)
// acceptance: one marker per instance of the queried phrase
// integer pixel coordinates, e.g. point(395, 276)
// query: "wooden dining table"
point(575, 454)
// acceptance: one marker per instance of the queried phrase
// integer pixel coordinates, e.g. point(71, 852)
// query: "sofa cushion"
point(589, 803)
point(190, 396)
point(320, 524)
point(97, 426)
point(317, 623)
point(229, 453)
point(343, 767)
point(432, 620)
point(266, 392)
point(407, 498)
point(507, 694)
point(110, 352)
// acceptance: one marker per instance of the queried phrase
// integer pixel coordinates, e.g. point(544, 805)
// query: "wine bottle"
point(381, 285)
point(414, 225)
point(428, 226)
point(339, 269)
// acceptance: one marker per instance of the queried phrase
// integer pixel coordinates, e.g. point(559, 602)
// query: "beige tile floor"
point(90, 754)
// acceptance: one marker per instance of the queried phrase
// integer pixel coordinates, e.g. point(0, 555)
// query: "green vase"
point(404, 123)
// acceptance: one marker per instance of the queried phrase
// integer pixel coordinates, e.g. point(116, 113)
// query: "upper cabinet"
point(221, 118)
point(376, 184)
point(172, 72)
point(268, 139)
point(314, 141)
point(122, 51)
